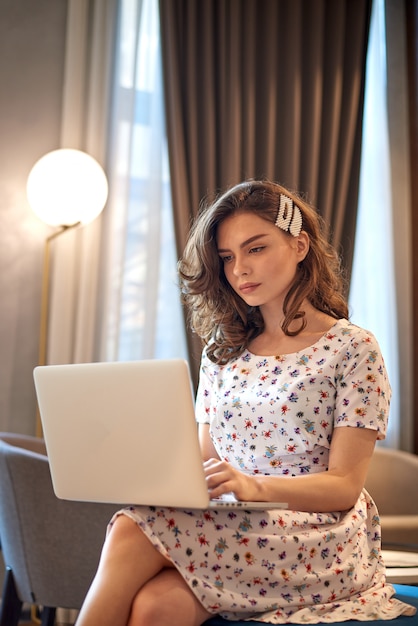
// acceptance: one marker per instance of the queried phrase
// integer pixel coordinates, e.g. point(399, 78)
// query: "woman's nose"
point(240, 267)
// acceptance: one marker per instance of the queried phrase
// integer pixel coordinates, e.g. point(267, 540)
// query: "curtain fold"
point(267, 88)
point(75, 254)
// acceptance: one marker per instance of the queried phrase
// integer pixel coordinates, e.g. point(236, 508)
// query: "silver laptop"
point(125, 433)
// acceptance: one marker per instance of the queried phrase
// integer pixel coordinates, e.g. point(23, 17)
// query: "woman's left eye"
point(256, 249)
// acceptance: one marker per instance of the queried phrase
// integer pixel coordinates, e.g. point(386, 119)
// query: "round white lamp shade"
point(66, 187)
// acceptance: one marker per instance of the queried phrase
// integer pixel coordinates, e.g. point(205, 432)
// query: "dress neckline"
point(302, 350)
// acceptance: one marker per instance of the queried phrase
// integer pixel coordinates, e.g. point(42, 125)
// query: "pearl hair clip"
point(289, 217)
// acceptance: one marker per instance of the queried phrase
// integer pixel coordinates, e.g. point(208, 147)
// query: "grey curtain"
point(411, 12)
point(266, 88)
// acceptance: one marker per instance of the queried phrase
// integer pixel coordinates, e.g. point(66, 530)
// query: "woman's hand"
point(222, 478)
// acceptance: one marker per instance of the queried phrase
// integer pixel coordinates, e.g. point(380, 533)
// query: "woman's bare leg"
point(128, 561)
point(167, 600)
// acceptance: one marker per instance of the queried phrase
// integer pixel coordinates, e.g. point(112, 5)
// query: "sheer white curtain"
point(75, 254)
point(378, 300)
point(142, 316)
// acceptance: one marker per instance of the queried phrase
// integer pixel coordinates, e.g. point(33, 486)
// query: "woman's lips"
point(247, 288)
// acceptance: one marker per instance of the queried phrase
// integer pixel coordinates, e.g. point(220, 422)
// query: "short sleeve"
point(204, 391)
point(363, 389)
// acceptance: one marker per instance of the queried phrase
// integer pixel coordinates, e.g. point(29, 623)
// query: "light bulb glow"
point(67, 186)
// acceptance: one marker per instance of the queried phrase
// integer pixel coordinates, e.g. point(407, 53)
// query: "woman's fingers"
point(218, 474)
point(222, 478)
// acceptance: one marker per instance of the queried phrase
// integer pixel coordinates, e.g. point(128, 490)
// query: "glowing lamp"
point(67, 187)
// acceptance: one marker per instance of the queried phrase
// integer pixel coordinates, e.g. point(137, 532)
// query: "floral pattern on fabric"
point(276, 415)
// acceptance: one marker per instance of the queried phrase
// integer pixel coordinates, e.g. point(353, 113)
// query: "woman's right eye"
point(226, 258)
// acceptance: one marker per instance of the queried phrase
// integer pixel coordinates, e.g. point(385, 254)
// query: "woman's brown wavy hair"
point(216, 313)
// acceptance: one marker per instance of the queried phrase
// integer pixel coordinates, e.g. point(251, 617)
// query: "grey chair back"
point(51, 546)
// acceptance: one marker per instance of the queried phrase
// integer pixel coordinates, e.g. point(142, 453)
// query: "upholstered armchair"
point(50, 547)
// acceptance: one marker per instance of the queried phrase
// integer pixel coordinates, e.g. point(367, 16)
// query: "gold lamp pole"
point(43, 334)
point(43, 331)
point(66, 188)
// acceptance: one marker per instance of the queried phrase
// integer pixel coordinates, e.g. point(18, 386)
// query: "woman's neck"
point(273, 340)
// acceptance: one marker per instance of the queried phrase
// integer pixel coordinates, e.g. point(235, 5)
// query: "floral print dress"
point(276, 415)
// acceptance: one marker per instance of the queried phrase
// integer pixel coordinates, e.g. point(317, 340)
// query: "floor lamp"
point(66, 188)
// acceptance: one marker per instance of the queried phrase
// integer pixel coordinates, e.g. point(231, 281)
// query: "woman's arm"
point(334, 490)
point(206, 444)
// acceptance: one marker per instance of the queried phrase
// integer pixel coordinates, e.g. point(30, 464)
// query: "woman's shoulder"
point(206, 362)
point(356, 345)
point(352, 333)
point(208, 365)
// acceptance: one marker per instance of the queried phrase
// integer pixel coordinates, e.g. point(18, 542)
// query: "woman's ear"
point(302, 243)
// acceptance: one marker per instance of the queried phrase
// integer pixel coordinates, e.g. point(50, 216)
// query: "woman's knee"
point(121, 535)
point(129, 556)
point(122, 525)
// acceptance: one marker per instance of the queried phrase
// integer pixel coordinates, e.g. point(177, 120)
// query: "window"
point(143, 315)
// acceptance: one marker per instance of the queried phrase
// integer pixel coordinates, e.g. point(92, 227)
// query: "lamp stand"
point(43, 333)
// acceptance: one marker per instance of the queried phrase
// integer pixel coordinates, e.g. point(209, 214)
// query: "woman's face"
point(259, 259)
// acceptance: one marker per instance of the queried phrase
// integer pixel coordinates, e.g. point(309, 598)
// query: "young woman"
point(291, 400)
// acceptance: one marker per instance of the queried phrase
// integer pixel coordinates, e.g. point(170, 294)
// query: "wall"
point(32, 40)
